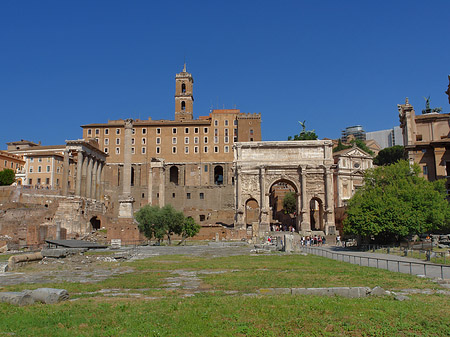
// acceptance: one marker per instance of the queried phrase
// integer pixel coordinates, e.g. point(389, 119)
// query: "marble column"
point(305, 225)
point(79, 172)
point(329, 209)
point(162, 187)
point(94, 179)
point(126, 200)
point(65, 178)
point(98, 181)
point(239, 215)
point(150, 186)
point(89, 176)
point(264, 205)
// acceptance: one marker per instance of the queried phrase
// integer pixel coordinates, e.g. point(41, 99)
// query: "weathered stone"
point(3, 267)
point(16, 298)
point(48, 295)
point(378, 291)
point(62, 252)
point(275, 291)
point(402, 298)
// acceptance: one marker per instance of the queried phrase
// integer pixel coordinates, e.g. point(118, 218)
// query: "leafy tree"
point(7, 177)
point(189, 230)
point(341, 146)
point(390, 155)
point(290, 203)
point(156, 222)
point(395, 202)
point(359, 143)
point(354, 142)
point(304, 135)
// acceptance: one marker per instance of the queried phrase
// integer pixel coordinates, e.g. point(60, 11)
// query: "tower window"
point(174, 131)
point(183, 88)
point(144, 131)
point(106, 131)
point(195, 130)
point(158, 131)
point(183, 105)
point(174, 149)
point(186, 130)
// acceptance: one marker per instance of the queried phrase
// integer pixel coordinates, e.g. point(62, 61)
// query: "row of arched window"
point(218, 175)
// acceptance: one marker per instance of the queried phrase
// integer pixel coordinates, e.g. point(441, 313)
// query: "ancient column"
point(98, 181)
point(84, 174)
point(126, 200)
point(264, 222)
point(239, 208)
point(94, 179)
point(150, 185)
point(79, 171)
point(304, 225)
point(161, 187)
point(65, 178)
point(329, 209)
point(89, 176)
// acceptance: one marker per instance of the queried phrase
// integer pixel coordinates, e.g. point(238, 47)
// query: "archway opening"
point(174, 175)
point(95, 223)
point(316, 214)
point(284, 205)
point(251, 211)
point(218, 175)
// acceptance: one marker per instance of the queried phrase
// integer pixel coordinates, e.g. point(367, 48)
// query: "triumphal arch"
point(265, 171)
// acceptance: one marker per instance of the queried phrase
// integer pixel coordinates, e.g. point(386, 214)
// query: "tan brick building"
point(12, 162)
point(427, 140)
point(184, 162)
point(44, 165)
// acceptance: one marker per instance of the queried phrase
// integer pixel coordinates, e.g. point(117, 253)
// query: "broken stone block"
point(16, 298)
point(378, 291)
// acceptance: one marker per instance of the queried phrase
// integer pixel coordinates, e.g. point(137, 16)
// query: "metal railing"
point(401, 266)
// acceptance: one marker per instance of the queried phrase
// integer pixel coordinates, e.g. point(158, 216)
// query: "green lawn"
point(212, 312)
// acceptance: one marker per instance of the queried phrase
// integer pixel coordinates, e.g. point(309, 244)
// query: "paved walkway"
point(395, 263)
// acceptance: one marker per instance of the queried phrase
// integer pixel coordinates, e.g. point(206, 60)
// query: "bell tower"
point(184, 99)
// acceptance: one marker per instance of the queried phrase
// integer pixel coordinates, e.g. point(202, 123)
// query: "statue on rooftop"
point(427, 109)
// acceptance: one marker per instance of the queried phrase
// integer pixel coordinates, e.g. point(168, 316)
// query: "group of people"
point(316, 240)
point(282, 228)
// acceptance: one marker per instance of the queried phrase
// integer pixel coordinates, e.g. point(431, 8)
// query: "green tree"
point(394, 203)
point(189, 230)
point(341, 146)
point(359, 143)
point(304, 135)
point(390, 155)
point(290, 203)
point(7, 177)
point(354, 142)
point(156, 222)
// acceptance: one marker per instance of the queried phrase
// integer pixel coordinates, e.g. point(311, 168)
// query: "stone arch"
point(277, 190)
point(174, 173)
point(218, 175)
point(251, 211)
point(316, 214)
point(183, 88)
point(95, 223)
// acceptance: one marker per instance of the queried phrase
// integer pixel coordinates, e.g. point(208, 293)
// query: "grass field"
point(222, 302)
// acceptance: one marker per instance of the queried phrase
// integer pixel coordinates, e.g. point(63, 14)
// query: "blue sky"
point(332, 63)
